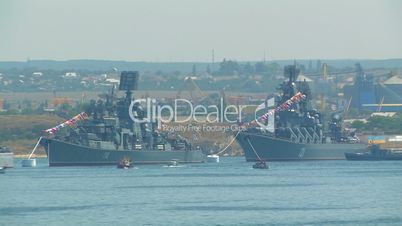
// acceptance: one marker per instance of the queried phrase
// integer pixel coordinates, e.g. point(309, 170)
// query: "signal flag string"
point(284, 106)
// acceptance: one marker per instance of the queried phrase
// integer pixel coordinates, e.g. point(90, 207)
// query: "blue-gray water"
point(228, 193)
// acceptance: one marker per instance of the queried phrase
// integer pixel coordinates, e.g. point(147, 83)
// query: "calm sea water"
point(228, 193)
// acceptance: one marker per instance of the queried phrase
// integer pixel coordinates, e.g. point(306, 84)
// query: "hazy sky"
point(187, 30)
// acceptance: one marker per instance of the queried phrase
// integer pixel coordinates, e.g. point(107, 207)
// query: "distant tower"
point(265, 59)
point(325, 86)
point(213, 60)
point(318, 66)
point(310, 66)
point(28, 63)
point(194, 71)
point(325, 72)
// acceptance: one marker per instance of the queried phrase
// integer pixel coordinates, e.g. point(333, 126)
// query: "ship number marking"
point(106, 155)
point(301, 153)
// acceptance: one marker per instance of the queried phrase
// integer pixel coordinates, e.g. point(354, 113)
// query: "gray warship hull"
point(269, 148)
point(62, 153)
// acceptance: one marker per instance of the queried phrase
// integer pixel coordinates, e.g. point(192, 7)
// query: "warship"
point(110, 135)
point(297, 133)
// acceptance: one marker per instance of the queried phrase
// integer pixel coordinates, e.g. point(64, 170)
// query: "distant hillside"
point(176, 66)
point(341, 63)
point(105, 65)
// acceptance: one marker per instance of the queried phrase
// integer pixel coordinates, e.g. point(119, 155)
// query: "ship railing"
point(301, 138)
point(308, 137)
point(293, 136)
point(316, 138)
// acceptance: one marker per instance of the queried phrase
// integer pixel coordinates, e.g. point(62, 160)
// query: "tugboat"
point(110, 133)
point(125, 163)
point(296, 133)
point(375, 154)
point(260, 165)
point(174, 163)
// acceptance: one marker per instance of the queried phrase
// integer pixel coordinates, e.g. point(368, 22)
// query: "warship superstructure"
point(111, 135)
point(298, 132)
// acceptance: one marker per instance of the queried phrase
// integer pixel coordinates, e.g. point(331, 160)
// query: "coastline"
point(25, 156)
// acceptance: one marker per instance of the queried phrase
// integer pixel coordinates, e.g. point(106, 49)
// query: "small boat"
point(260, 165)
point(125, 164)
point(28, 163)
point(213, 158)
point(31, 162)
point(2, 170)
point(173, 163)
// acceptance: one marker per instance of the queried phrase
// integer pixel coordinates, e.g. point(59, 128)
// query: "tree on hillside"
point(380, 123)
point(228, 67)
point(208, 69)
point(266, 68)
point(248, 69)
point(261, 68)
